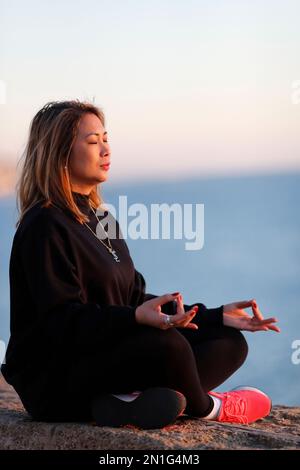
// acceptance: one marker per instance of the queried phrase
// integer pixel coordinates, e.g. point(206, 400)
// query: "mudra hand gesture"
point(236, 317)
point(149, 313)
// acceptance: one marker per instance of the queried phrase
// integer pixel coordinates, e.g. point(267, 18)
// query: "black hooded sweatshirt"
point(68, 297)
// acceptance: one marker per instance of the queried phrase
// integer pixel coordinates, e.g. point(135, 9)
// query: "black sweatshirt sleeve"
point(62, 309)
point(204, 316)
point(207, 316)
point(138, 291)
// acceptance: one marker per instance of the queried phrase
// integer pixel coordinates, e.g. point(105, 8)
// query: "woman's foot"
point(242, 404)
point(154, 407)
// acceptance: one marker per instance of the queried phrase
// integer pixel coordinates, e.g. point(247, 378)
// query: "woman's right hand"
point(149, 313)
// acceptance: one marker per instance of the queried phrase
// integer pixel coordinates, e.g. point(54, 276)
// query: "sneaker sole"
point(247, 387)
point(153, 408)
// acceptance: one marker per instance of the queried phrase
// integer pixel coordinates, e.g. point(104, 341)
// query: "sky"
point(188, 87)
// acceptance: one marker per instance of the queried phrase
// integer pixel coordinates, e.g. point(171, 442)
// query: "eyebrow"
point(95, 133)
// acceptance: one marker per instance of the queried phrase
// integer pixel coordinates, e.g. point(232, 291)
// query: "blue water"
point(251, 250)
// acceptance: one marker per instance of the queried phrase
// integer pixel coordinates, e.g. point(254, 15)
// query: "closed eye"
point(92, 143)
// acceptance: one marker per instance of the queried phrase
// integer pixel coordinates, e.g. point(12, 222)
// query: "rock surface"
point(280, 430)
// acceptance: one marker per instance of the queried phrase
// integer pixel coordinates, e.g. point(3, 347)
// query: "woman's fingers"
point(192, 312)
point(270, 326)
point(163, 299)
point(185, 318)
point(180, 305)
point(259, 315)
point(266, 324)
point(253, 304)
point(259, 329)
point(239, 313)
point(250, 303)
point(243, 303)
point(274, 328)
point(182, 317)
point(256, 312)
point(192, 326)
point(265, 321)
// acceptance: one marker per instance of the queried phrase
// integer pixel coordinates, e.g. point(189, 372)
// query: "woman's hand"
point(236, 317)
point(182, 319)
point(149, 313)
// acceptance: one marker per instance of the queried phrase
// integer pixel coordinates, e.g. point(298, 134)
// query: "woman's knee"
point(239, 345)
point(171, 344)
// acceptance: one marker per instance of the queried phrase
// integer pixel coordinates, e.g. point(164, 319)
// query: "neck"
point(81, 189)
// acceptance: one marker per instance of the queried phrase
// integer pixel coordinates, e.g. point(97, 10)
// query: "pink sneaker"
point(243, 405)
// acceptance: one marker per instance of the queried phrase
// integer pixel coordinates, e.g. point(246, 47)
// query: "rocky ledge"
point(280, 430)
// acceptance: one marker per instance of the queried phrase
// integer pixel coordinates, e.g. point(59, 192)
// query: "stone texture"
point(280, 430)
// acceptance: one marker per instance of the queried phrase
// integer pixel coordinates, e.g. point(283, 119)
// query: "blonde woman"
point(87, 342)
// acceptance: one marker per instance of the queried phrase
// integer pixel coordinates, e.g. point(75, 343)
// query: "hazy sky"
point(188, 87)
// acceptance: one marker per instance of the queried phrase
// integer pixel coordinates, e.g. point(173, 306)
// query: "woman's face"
point(89, 152)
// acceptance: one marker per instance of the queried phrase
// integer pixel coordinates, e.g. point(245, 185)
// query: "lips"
point(105, 167)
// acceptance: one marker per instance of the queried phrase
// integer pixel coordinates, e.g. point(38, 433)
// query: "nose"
point(105, 150)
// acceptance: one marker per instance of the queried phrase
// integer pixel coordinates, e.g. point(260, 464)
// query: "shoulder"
point(39, 221)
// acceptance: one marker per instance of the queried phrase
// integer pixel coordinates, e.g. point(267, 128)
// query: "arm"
point(207, 316)
point(204, 316)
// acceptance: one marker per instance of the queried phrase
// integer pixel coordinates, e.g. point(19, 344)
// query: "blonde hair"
point(43, 177)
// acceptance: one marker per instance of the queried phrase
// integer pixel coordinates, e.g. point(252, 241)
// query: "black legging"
point(193, 362)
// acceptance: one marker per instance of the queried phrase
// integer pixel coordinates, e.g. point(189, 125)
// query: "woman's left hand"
point(236, 317)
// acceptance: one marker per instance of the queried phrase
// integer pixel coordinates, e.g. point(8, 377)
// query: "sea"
point(250, 248)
